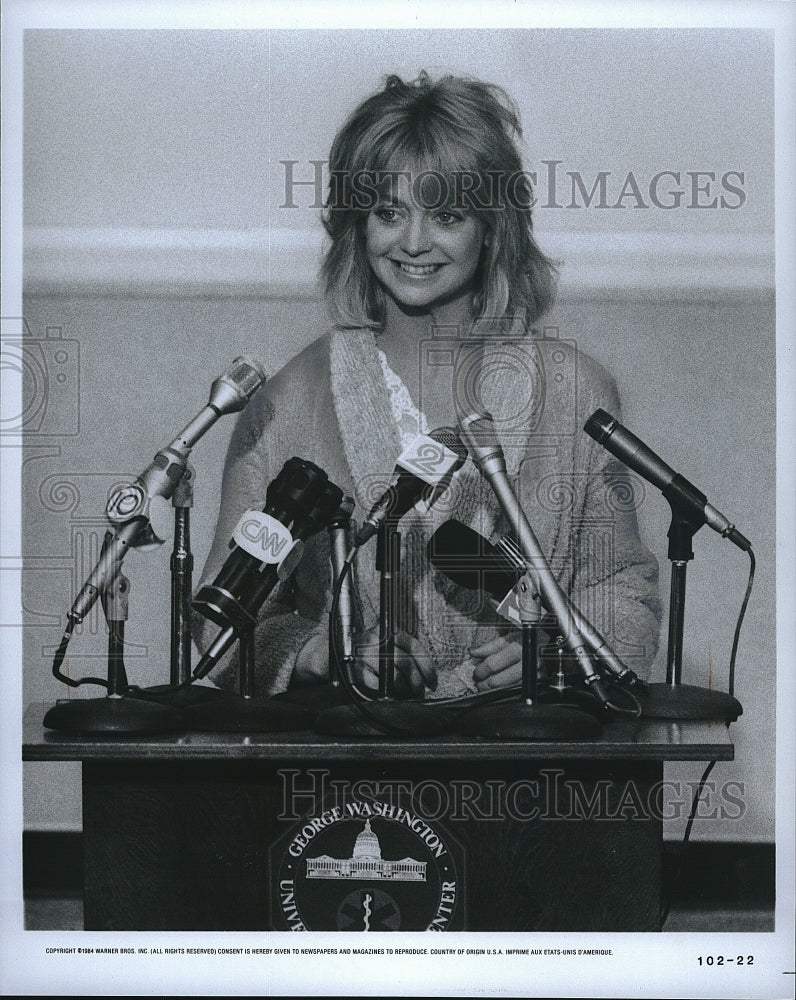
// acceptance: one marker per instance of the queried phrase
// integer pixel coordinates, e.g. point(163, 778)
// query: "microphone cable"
point(678, 870)
point(358, 698)
point(752, 566)
point(60, 654)
point(361, 700)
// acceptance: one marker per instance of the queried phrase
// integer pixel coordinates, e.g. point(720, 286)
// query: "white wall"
point(186, 129)
point(156, 240)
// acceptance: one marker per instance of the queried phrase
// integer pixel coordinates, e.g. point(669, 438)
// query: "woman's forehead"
point(419, 185)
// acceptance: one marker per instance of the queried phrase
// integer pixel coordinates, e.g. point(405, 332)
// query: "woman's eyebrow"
point(391, 201)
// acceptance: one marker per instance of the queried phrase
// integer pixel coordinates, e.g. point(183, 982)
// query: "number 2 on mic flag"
point(428, 460)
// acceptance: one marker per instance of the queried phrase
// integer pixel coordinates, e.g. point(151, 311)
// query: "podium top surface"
point(633, 739)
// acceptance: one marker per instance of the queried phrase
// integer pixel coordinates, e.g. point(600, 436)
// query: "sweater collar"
point(370, 438)
point(371, 444)
point(508, 384)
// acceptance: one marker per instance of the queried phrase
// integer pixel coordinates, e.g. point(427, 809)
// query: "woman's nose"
point(416, 235)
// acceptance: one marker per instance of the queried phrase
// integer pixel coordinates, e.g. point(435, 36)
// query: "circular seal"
point(368, 866)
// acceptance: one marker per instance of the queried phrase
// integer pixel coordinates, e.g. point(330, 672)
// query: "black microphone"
point(469, 560)
point(607, 431)
point(424, 471)
point(266, 547)
point(129, 506)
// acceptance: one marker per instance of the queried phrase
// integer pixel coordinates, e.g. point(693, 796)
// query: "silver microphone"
point(341, 631)
point(128, 507)
point(595, 639)
point(230, 392)
point(478, 432)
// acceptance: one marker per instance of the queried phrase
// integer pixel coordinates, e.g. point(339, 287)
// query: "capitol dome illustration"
point(367, 844)
point(366, 862)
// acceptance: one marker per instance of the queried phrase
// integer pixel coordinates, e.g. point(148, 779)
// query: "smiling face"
point(424, 257)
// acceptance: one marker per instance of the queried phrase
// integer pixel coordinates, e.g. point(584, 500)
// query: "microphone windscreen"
point(247, 374)
point(470, 561)
point(600, 425)
point(233, 389)
point(448, 438)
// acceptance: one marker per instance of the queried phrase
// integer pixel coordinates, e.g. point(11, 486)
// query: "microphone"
point(424, 471)
point(230, 392)
point(479, 434)
point(129, 506)
point(607, 431)
point(469, 560)
point(266, 547)
point(341, 632)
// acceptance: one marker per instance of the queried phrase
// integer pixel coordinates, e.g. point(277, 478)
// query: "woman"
point(434, 280)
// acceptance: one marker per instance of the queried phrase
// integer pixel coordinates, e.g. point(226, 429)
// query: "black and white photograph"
point(398, 495)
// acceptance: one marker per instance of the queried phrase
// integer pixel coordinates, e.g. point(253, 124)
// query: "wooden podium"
point(298, 831)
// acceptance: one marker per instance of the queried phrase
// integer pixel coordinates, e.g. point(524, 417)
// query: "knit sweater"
point(330, 405)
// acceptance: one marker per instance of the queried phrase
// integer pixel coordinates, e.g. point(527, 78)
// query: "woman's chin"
point(423, 302)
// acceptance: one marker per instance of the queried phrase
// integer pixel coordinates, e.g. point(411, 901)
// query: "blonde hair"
point(464, 132)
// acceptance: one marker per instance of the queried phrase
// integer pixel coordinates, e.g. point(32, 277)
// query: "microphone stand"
point(178, 691)
point(115, 713)
point(527, 718)
point(319, 697)
point(386, 713)
point(388, 562)
point(181, 574)
point(673, 699)
point(244, 710)
point(568, 722)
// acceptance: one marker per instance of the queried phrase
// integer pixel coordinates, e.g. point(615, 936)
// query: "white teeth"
point(418, 270)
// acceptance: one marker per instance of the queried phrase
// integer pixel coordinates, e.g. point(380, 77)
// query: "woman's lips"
point(417, 270)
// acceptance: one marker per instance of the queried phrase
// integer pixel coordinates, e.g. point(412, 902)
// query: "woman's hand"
point(499, 663)
point(414, 668)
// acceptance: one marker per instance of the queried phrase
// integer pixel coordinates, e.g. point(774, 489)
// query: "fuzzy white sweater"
point(330, 405)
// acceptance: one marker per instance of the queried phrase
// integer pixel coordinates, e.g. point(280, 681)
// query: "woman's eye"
point(448, 218)
point(386, 214)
